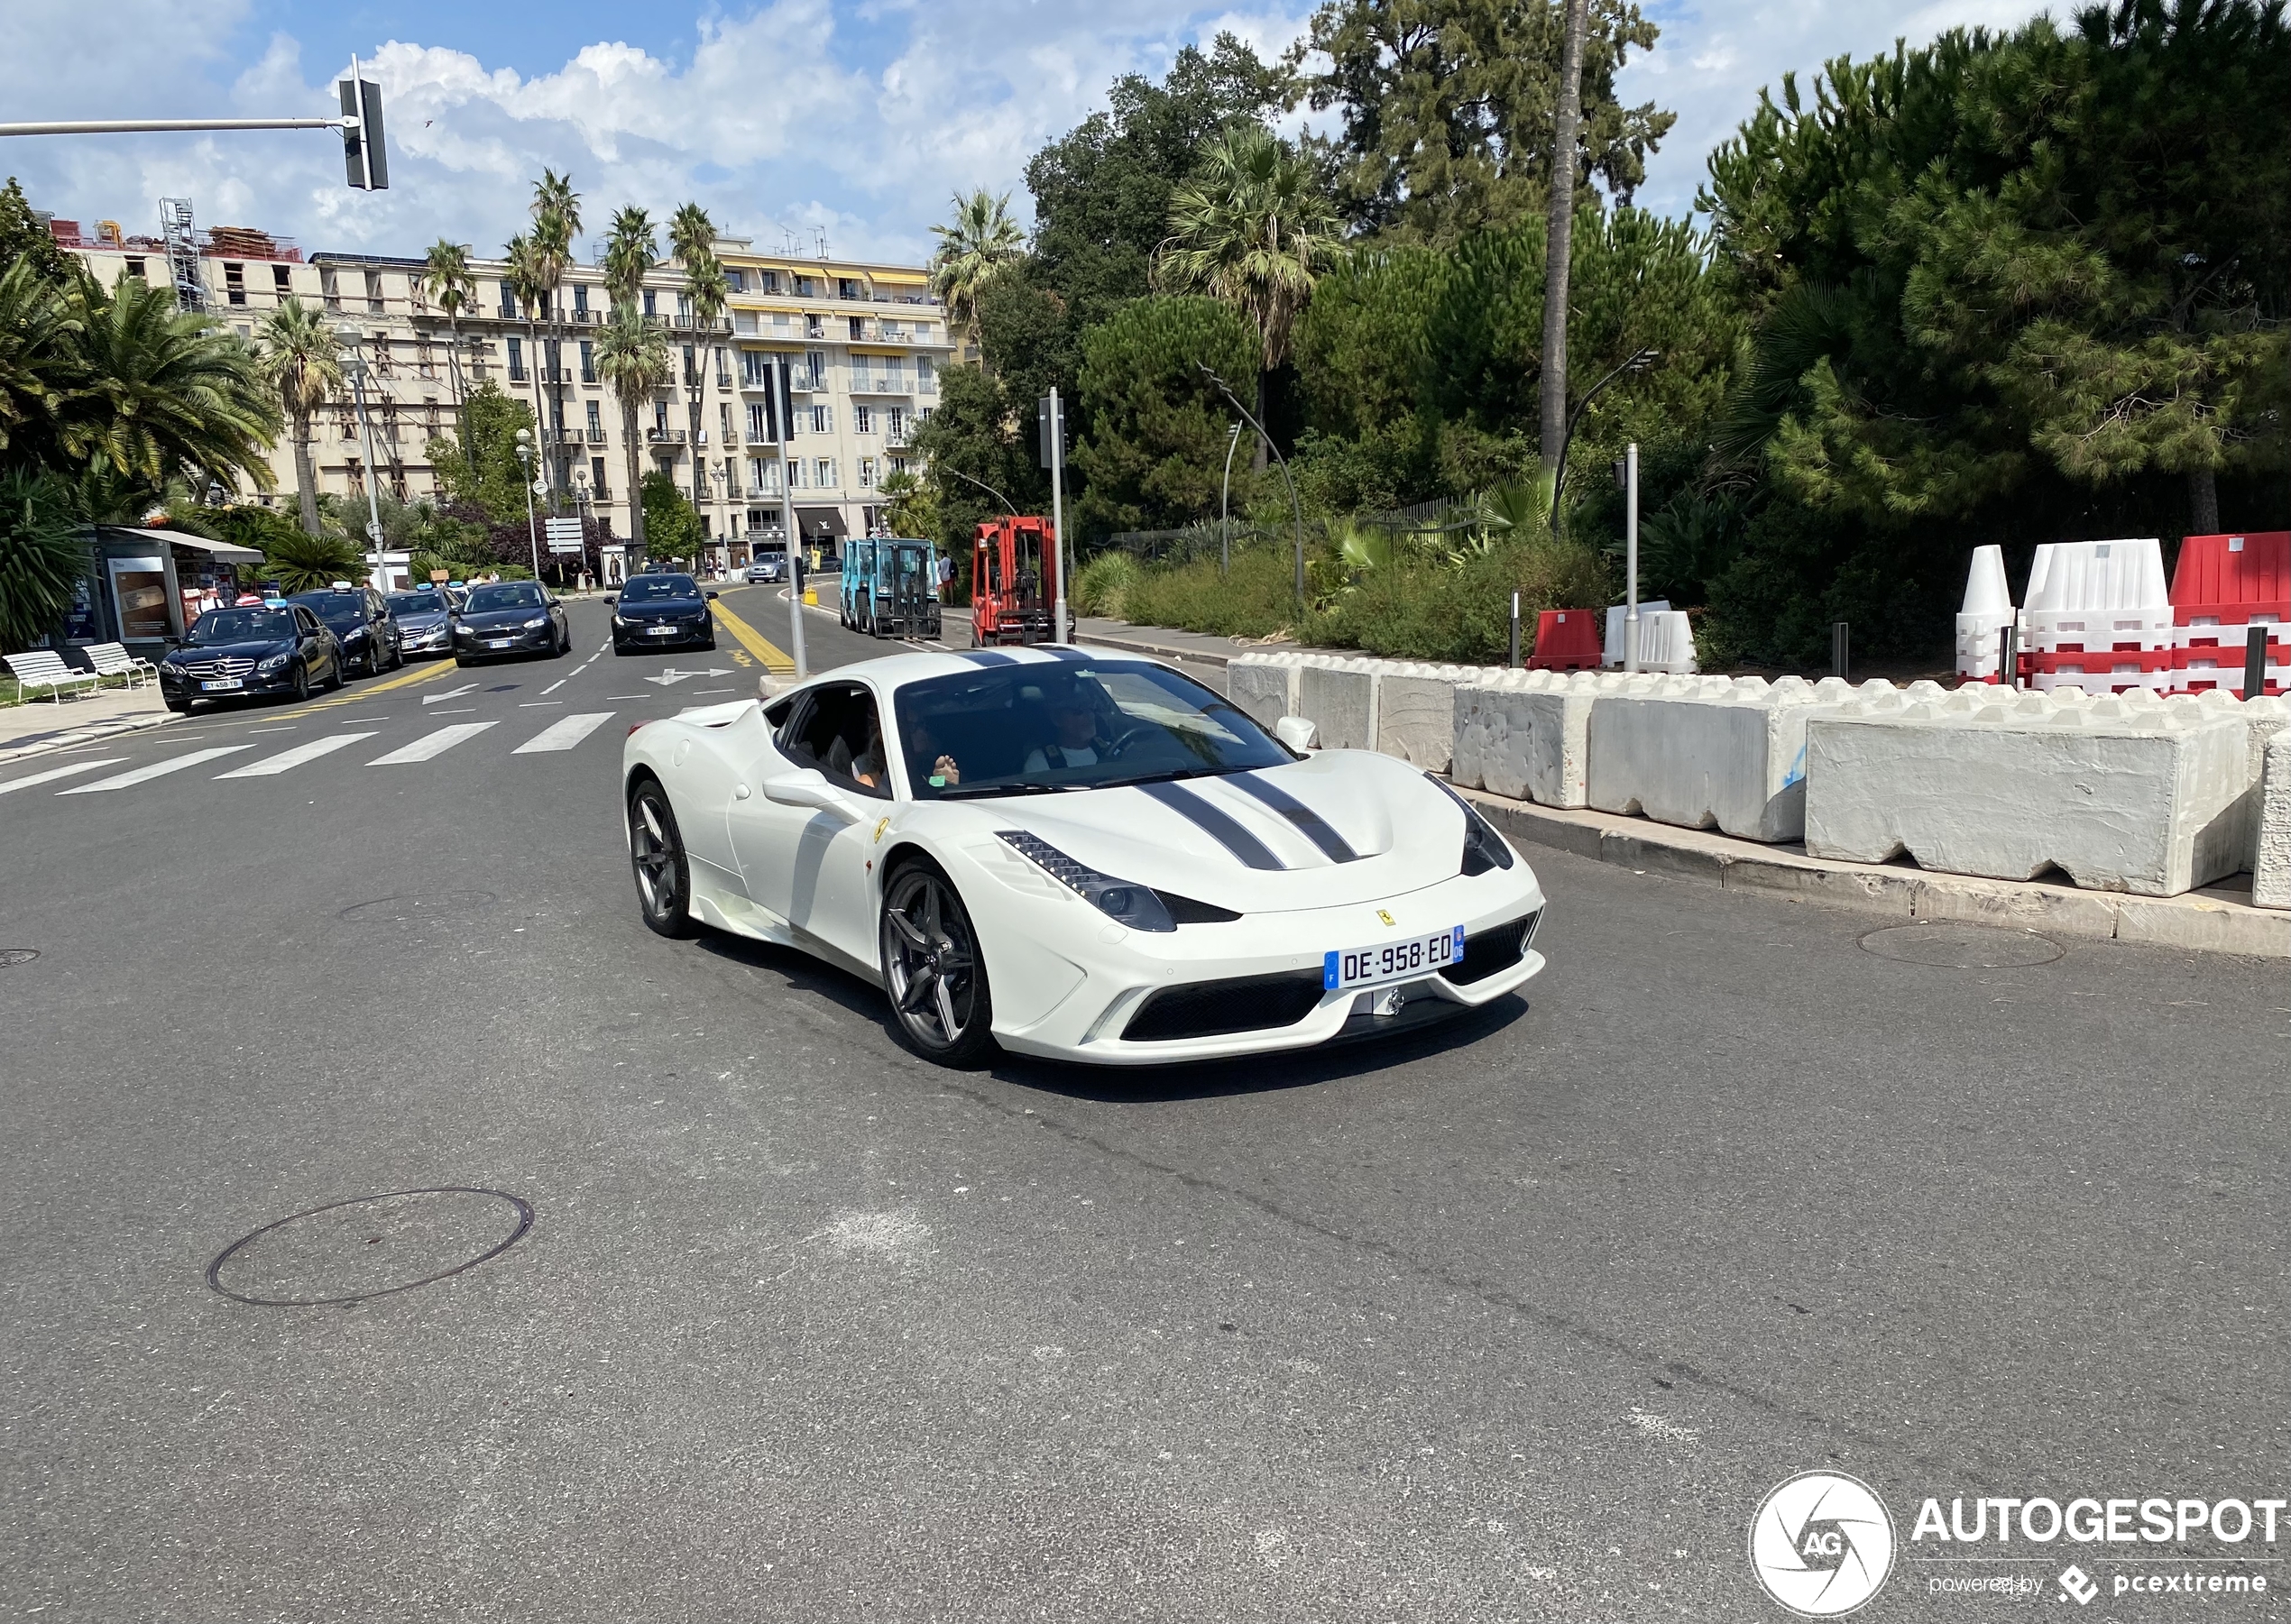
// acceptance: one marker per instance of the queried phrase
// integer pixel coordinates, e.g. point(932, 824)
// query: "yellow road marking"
point(404, 679)
point(775, 662)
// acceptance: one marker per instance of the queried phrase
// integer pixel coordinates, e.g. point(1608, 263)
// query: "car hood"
point(1340, 827)
point(263, 648)
point(501, 620)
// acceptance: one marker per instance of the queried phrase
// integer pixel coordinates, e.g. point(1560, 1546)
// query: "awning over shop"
point(811, 521)
point(222, 552)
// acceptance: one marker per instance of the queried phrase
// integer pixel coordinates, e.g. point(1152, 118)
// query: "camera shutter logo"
point(1821, 1544)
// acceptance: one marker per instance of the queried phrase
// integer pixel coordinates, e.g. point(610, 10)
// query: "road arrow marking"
point(432, 698)
point(671, 676)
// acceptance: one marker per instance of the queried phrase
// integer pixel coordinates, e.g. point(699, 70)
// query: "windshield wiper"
point(1172, 776)
point(972, 792)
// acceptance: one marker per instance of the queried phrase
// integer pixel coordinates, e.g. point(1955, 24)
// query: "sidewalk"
point(41, 725)
point(1194, 648)
point(2216, 919)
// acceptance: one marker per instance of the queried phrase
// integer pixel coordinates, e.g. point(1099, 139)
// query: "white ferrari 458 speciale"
point(1076, 854)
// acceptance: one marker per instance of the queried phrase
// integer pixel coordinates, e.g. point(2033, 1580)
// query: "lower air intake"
point(1211, 1009)
point(1495, 950)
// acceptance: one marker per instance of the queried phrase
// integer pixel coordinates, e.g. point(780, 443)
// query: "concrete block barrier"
point(1404, 708)
point(1339, 697)
point(1709, 752)
point(1527, 735)
point(2124, 792)
point(2271, 861)
point(1416, 711)
point(1264, 685)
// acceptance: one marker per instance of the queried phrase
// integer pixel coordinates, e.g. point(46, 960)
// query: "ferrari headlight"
point(1483, 848)
point(1139, 907)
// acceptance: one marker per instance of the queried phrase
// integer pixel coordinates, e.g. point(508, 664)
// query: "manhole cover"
point(417, 905)
point(369, 1247)
point(9, 956)
point(1961, 947)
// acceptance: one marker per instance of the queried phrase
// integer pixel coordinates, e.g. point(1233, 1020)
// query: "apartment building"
point(865, 343)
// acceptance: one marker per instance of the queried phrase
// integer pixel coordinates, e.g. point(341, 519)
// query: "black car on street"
point(273, 648)
point(661, 611)
point(360, 618)
point(507, 619)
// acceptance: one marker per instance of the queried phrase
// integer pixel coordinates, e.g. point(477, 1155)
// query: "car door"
point(812, 868)
point(310, 642)
point(383, 623)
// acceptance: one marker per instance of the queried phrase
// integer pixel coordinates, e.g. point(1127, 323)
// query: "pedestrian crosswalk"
point(564, 733)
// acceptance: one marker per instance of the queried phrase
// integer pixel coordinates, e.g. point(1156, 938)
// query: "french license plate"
point(662, 631)
point(221, 683)
point(499, 642)
point(1390, 960)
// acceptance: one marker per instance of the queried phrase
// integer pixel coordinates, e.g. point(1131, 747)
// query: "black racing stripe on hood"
point(1059, 651)
point(1317, 829)
point(1214, 823)
point(986, 656)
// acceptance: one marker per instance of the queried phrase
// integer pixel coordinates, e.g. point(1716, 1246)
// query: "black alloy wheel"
point(657, 858)
point(301, 683)
point(933, 969)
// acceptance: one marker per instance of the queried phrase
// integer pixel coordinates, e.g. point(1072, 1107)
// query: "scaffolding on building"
point(182, 253)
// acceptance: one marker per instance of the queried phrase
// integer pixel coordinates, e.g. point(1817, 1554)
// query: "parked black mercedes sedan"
point(507, 619)
point(661, 611)
point(277, 648)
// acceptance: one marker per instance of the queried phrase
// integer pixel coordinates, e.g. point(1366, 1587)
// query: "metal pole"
point(2255, 662)
point(1058, 633)
point(1841, 649)
point(1515, 631)
point(139, 126)
point(532, 535)
point(782, 407)
point(1630, 556)
point(1297, 507)
point(1225, 507)
point(2008, 656)
point(373, 470)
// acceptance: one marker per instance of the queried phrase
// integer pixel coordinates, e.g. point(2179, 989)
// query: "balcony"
point(723, 381)
point(755, 438)
point(882, 383)
point(596, 437)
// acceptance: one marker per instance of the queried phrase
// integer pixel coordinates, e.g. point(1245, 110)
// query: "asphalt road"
point(1514, 1319)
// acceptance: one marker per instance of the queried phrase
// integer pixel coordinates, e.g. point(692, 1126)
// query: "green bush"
point(1101, 586)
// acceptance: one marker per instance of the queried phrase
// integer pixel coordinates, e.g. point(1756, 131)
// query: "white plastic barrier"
point(1709, 752)
point(2271, 863)
point(1527, 734)
point(2097, 616)
point(1666, 640)
point(1987, 612)
point(2126, 792)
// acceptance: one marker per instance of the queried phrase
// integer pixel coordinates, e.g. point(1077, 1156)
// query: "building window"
point(824, 472)
point(862, 420)
point(509, 303)
point(822, 419)
point(383, 369)
point(588, 362)
point(927, 382)
point(684, 307)
point(373, 292)
point(866, 474)
point(724, 425)
point(580, 299)
point(552, 361)
point(815, 364)
point(516, 360)
point(756, 434)
point(804, 287)
point(814, 326)
point(651, 303)
point(281, 280)
point(895, 424)
point(596, 422)
point(767, 280)
point(234, 284)
point(602, 492)
point(898, 464)
point(751, 369)
point(135, 268)
point(848, 287)
point(736, 279)
point(660, 418)
point(794, 474)
point(783, 325)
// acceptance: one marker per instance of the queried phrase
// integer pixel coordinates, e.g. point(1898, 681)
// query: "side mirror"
point(712, 595)
point(1295, 731)
point(613, 596)
point(810, 790)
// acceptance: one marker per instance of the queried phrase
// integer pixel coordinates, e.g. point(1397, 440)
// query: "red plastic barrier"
point(2219, 587)
point(1566, 639)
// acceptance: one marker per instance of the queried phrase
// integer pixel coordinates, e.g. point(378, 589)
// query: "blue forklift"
point(890, 587)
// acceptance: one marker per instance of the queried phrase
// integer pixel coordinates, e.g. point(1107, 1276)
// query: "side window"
point(838, 733)
point(304, 621)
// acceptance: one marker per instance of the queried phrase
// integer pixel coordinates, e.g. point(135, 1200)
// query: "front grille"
point(232, 665)
point(1497, 949)
point(1210, 1009)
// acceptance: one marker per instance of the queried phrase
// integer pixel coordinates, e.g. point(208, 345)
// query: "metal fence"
point(1201, 541)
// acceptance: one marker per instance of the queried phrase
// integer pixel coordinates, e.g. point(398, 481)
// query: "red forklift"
point(1014, 583)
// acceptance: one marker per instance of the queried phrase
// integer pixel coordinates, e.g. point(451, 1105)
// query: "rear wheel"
point(301, 683)
point(656, 857)
point(933, 969)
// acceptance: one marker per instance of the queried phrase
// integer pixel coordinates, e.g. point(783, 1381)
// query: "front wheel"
point(657, 855)
point(933, 969)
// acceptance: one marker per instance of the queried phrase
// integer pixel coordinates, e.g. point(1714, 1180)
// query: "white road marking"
point(696, 692)
point(431, 699)
point(157, 769)
point(537, 704)
point(286, 760)
point(554, 686)
point(54, 773)
point(563, 733)
point(431, 744)
point(269, 730)
point(671, 675)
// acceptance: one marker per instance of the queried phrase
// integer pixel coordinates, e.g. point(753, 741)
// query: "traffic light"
point(362, 152)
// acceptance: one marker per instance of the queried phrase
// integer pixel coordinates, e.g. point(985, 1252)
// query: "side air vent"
point(1210, 1009)
point(1493, 950)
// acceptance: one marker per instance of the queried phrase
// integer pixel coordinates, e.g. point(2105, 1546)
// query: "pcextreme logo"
point(1821, 1544)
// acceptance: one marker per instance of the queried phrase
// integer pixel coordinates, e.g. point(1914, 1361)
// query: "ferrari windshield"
point(1081, 724)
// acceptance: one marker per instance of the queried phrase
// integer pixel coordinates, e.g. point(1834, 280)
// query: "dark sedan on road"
point(662, 612)
point(424, 622)
point(507, 619)
point(360, 620)
point(278, 648)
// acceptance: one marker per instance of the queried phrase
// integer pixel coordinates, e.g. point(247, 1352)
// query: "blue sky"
point(803, 118)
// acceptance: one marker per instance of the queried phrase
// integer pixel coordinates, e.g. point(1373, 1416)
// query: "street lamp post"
point(723, 509)
point(581, 508)
point(1224, 506)
point(1227, 390)
point(525, 461)
point(351, 336)
point(1638, 360)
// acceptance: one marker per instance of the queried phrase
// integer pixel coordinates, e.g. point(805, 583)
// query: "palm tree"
point(557, 224)
point(629, 253)
point(692, 238)
point(972, 252)
point(161, 390)
point(38, 359)
point(524, 271)
point(632, 359)
point(1249, 229)
point(446, 282)
point(303, 362)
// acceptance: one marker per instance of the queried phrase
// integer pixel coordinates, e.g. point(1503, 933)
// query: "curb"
point(39, 744)
point(2193, 923)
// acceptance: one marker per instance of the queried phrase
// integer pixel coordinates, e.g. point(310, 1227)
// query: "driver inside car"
point(1074, 740)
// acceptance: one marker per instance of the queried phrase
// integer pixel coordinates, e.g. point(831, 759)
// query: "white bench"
point(112, 659)
point(45, 669)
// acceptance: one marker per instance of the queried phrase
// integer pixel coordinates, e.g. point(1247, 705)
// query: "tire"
point(335, 679)
point(710, 646)
point(301, 683)
point(933, 971)
point(181, 707)
point(658, 862)
point(462, 663)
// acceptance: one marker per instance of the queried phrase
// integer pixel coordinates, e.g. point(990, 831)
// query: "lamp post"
point(1638, 360)
point(1224, 506)
point(581, 509)
point(350, 335)
point(1226, 389)
point(532, 530)
point(723, 508)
